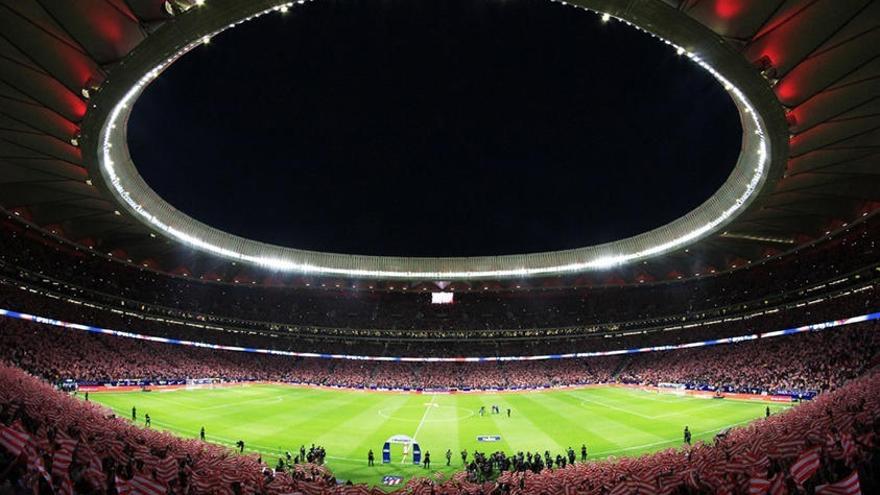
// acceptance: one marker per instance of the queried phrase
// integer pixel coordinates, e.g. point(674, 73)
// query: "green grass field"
point(274, 418)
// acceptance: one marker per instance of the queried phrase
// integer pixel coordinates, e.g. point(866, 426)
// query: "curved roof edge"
point(763, 153)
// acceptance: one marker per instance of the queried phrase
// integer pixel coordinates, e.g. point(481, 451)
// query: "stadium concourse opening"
point(436, 128)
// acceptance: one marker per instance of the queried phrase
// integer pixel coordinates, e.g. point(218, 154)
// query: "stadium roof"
point(69, 71)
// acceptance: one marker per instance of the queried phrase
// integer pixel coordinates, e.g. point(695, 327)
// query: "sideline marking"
point(662, 442)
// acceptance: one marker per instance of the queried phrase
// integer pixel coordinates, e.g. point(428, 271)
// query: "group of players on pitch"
point(495, 410)
point(483, 467)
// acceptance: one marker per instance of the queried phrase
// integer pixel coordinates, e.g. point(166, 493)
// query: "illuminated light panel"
point(759, 238)
point(292, 260)
point(442, 297)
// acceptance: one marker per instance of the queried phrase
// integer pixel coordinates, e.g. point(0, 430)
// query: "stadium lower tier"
point(53, 442)
point(803, 363)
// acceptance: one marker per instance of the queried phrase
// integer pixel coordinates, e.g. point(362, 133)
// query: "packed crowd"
point(817, 361)
point(800, 363)
point(805, 450)
point(843, 303)
point(87, 274)
point(52, 442)
point(59, 354)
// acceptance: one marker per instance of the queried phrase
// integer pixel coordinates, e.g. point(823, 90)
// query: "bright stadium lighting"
point(441, 297)
point(120, 174)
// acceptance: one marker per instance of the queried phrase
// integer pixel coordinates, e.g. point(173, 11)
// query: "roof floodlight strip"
point(139, 199)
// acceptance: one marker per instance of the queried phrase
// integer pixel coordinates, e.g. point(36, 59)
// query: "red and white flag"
point(123, 486)
point(202, 483)
point(759, 486)
point(621, 488)
point(805, 466)
point(787, 448)
point(64, 486)
point(849, 446)
point(166, 470)
point(777, 485)
point(94, 473)
point(846, 486)
point(61, 460)
point(13, 440)
point(142, 485)
point(310, 488)
point(62, 457)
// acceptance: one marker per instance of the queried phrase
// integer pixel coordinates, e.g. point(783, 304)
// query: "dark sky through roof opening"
point(434, 128)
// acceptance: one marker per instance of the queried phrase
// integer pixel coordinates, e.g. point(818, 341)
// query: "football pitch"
point(272, 419)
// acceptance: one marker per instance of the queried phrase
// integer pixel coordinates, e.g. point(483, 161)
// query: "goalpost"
point(671, 388)
point(197, 383)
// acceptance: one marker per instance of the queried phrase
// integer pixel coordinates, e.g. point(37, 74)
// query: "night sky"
point(434, 128)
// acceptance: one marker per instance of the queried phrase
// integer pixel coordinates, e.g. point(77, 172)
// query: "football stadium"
point(484, 247)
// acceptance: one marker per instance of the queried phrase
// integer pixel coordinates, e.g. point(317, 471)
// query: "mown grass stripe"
point(272, 419)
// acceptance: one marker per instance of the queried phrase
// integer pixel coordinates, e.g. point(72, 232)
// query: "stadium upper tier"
point(841, 264)
point(804, 75)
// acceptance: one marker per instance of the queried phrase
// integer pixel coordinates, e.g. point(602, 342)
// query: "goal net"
point(671, 388)
point(197, 383)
